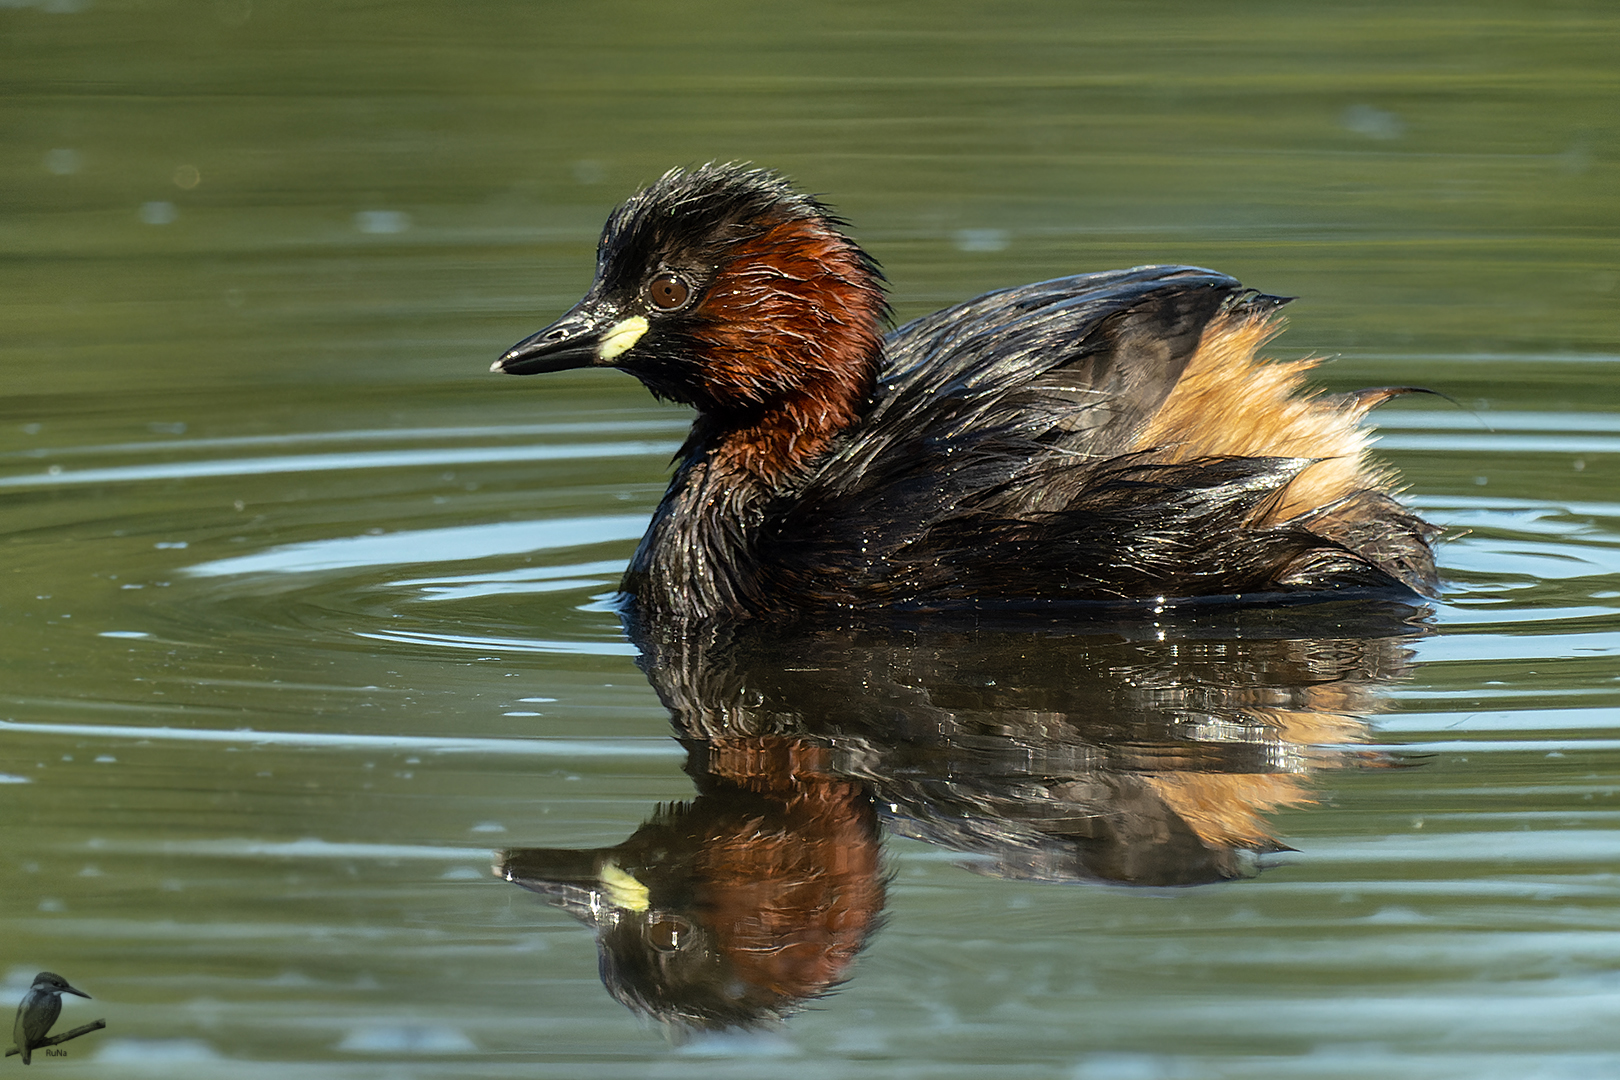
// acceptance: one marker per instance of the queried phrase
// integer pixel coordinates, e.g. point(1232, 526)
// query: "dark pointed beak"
point(81, 993)
point(568, 879)
point(593, 334)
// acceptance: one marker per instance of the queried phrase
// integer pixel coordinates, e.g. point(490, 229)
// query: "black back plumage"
point(995, 465)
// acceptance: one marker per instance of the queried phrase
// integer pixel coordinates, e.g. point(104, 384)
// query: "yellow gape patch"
point(620, 337)
point(622, 889)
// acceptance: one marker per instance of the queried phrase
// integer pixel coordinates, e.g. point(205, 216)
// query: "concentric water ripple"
point(419, 636)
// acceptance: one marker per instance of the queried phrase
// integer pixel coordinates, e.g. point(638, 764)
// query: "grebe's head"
point(726, 289)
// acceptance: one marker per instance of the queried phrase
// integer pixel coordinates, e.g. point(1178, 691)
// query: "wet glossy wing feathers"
point(996, 420)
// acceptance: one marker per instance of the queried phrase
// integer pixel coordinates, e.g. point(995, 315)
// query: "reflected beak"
point(569, 879)
point(591, 335)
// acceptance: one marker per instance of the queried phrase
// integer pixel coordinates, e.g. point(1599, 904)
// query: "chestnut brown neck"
point(790, 340)
point(777, 445)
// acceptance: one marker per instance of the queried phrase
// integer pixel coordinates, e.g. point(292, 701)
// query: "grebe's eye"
point(668, 291)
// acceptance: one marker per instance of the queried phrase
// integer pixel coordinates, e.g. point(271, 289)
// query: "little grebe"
point(1106, 437)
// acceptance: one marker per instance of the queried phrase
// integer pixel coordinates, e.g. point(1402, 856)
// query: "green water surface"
point(303, 614)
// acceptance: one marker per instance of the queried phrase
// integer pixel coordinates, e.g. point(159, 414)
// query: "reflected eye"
point(668, 291)
point(669, 934)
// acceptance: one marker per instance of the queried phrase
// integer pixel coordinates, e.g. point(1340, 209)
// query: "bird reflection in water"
point(1136, 754)
point(738, 905)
